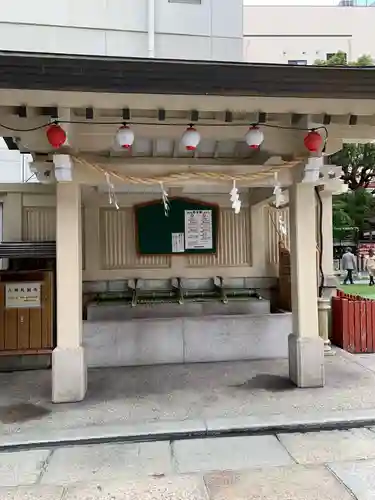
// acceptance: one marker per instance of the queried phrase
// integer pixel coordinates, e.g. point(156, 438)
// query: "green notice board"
point(190, 228)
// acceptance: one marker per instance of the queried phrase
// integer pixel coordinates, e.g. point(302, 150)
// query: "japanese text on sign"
point(22, 295)
point(178, 243)
point(198, 230)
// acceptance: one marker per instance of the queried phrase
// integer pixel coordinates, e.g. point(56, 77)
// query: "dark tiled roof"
point(155, 76)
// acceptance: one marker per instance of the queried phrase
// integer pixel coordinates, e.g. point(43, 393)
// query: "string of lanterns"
point(191, 138)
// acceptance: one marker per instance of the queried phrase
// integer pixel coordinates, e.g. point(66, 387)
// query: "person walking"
point(349, 265)
point(370, 266)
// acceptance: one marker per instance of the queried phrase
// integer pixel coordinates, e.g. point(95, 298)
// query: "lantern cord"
point(33, 129)
point(30, 177)
point(164, 124)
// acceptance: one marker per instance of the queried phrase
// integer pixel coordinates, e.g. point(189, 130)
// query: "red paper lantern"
point(56, 136)
point(313, 141)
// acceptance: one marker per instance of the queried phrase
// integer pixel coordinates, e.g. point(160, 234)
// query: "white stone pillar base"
point(324, 312)
point(69, 375)
point(328, 351)
point(306, 361)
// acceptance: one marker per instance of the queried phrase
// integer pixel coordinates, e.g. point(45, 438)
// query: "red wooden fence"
point(353, 323)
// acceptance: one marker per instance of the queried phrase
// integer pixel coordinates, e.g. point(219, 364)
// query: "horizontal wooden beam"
point(32, 188)
point(203, 103)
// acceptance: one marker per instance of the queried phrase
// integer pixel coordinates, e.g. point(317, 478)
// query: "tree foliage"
point(358, 164)
point(342, 225)
point(364, 60)
point(340, 59)
point(357, 160)
point(352, 210)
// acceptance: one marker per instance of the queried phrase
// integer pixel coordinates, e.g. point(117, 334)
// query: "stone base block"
point(306, 361)
point(186, 340)
point(69, 375)
point(29, 362)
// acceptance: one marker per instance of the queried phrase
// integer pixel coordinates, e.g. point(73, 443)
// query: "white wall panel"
point(183, 18)
point(234, 244)
point(97, 14)
point(51, 39)
point(274, 231)
point(126, 44)
point(39, 224)
point(127, 15)
point(182, 47)
point(226, 49)
point(227, 18)
point(117, 238)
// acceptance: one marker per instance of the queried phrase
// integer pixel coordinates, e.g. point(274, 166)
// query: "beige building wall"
point(279, 34)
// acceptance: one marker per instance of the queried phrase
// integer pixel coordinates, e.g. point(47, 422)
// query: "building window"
point(298, 62)
point(194, 2)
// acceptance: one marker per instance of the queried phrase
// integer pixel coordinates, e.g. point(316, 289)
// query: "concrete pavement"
point(325, 465)
point(167, 402)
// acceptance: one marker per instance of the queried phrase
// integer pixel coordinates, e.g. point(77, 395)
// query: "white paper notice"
point(198, 229)
point(178, 243)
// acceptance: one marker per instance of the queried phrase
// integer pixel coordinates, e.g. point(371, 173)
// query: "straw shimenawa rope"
point(186, 176)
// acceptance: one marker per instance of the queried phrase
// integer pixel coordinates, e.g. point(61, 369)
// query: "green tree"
point(340, 59)
point(357, 160)
point(364, 60)
point(352, 210)
point(343, 226)
point(358, 164)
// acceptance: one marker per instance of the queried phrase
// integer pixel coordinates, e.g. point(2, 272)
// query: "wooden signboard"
point(191, 227)
point(26, 313)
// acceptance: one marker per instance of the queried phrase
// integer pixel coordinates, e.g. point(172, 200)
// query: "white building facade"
point(178, 29)
point(164, 29)
point(14, 167)
point(293, 34)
